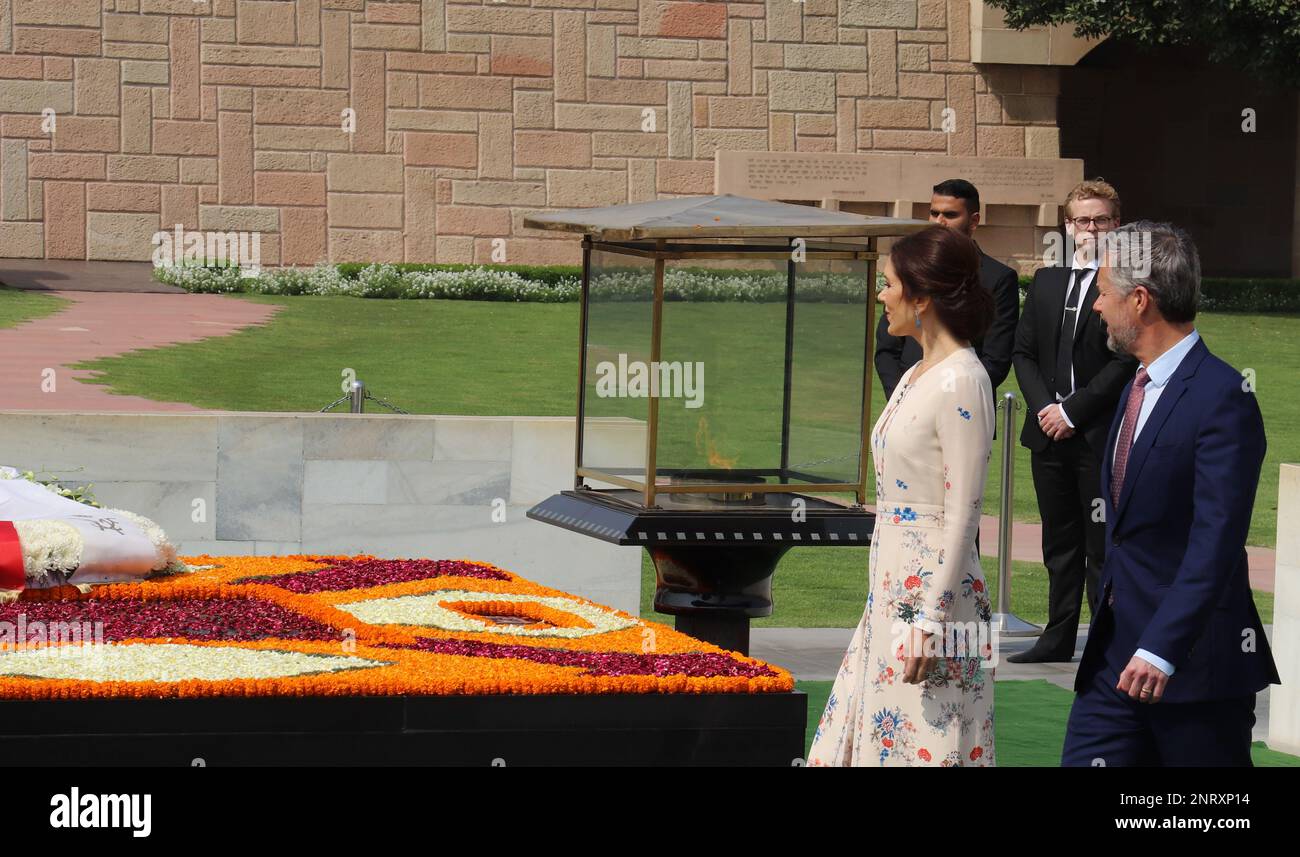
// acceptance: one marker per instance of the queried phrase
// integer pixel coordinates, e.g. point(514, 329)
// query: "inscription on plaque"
point(1024, 174)
point(789, 175)
point(891, 177)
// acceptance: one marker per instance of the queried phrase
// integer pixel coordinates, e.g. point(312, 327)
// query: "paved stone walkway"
point(100, 324)
point(1027, 546)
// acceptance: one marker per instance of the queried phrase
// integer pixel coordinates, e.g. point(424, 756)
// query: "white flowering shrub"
point(484, 284)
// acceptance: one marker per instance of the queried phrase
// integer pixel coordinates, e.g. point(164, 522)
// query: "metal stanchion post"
point(1004, 621)
point(356, 397)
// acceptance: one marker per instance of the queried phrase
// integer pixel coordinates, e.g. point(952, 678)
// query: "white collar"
point(1162, 368)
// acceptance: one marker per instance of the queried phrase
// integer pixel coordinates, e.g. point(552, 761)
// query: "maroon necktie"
point(1126, 429)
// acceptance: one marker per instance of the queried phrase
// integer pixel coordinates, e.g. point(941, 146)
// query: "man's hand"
point(1052, 422)
point(1142, 680)
point(920, 660)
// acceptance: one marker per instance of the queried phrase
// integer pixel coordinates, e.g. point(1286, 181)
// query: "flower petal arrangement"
point(308, 625)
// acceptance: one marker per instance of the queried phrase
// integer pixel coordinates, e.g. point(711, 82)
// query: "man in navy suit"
point(1177, 651)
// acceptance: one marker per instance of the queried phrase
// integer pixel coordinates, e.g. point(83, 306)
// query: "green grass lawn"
point(471, 357)
point(20, 305)
point(1029, 722)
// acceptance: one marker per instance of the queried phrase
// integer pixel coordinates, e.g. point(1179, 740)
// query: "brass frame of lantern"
point(665, 249)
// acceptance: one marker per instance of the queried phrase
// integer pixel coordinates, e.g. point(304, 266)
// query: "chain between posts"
point(358, 396)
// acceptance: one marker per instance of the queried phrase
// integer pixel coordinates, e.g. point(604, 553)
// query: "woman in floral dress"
point(911, 689)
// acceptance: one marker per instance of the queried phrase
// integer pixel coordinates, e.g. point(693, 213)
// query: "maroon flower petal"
point(240, 618)
point(693, 664)
point(364, 573)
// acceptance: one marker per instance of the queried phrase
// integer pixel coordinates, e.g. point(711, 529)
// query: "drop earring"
point(917, 317)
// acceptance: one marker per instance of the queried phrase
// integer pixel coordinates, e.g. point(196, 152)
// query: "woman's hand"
point(919, 657)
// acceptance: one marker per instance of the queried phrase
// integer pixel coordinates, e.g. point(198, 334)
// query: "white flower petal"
point(169, 662)
point(427, 611)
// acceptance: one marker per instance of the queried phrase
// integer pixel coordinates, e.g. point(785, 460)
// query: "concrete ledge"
point(386, 484)
point(1284, 724)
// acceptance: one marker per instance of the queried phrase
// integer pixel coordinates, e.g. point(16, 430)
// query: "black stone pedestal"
point(713, 565)
point(714, 590)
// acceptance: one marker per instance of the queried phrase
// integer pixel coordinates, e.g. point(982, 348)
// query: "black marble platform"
point(579, 730)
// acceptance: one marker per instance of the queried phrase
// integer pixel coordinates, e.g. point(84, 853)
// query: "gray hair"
point(1160, 257)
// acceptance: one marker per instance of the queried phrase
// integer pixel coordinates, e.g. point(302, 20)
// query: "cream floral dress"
point(931, 448)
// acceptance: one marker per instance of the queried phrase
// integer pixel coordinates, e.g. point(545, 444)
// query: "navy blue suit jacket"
point(1175, 579)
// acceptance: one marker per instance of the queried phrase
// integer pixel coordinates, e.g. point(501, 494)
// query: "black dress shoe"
point(1031, 656)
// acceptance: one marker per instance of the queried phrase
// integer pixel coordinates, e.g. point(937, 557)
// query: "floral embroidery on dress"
point(907, 596)
point(987, 742)
point(885, 674)
point(923, 572)
point(906, 514)
point(973, 587)
point(918, 548)
point(964, 673)
point(942, 608)
point(891, 732)
point(950, 715)
point(826, 715)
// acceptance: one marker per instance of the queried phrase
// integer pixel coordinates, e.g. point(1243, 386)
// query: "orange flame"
point(704, 441)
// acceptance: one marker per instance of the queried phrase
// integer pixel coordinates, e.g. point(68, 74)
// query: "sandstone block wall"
point(230, 114)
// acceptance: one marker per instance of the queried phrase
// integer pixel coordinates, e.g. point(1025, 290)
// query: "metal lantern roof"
point(722, 216)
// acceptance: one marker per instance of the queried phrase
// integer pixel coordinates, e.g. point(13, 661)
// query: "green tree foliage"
point(1261, 37)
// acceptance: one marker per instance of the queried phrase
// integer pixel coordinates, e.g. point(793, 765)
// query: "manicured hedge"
point(501, 284)
point(1234, 294)
point(548, 274)
point(1226, 294)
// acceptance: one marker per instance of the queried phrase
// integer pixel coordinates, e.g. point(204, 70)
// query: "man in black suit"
point(1071, 382)
point(956, 204)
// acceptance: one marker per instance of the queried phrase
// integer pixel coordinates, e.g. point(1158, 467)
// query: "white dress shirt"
point(1159, 373)
point(1085, 283)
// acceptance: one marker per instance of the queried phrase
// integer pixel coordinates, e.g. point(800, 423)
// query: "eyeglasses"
point(1102, 222)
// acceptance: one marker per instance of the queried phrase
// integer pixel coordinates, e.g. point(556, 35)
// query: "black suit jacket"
point(896, 354)
point(1099, 373)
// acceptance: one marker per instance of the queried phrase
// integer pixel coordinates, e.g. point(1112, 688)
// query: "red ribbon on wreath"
point(12, 575)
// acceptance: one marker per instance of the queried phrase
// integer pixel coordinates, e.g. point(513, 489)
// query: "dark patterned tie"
point(1065, 345)
point(1126, 429)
